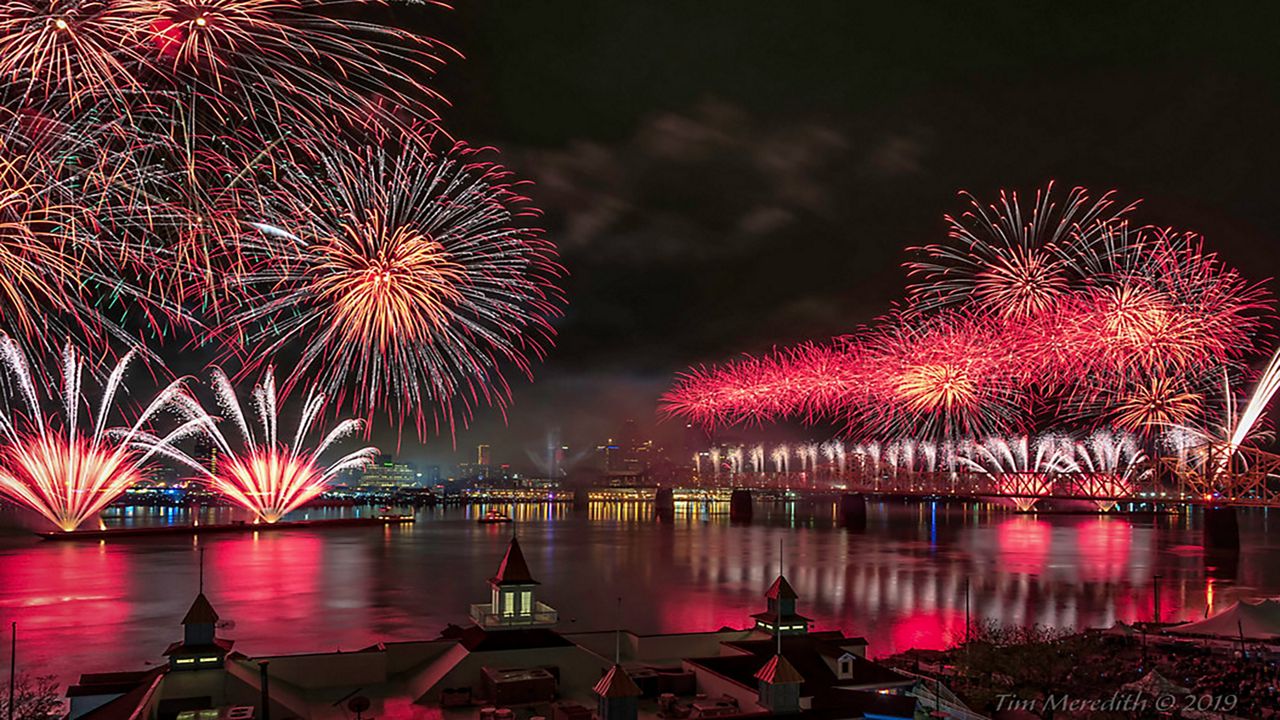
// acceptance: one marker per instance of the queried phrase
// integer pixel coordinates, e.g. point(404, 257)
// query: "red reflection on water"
point(272, 584)
point(69, 602)
point(1103, 544)
point(690, 610)
point(927, 630)
point(1024, 543)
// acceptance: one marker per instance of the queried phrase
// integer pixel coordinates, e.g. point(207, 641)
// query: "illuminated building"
point(515, 654)
point(387, 473)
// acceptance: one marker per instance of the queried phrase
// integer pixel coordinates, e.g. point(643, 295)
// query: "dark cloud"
point(724, 177)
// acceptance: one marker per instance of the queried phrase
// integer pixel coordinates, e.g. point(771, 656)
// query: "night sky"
point(726, 176)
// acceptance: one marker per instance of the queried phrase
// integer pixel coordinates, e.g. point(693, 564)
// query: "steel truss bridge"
point(1216, 476)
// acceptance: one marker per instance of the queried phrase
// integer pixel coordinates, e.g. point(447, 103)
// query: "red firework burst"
point(942, 377)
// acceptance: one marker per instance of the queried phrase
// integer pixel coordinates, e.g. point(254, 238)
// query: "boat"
point(493, 517)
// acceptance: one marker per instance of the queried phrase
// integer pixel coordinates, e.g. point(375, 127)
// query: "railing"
point(543, 615)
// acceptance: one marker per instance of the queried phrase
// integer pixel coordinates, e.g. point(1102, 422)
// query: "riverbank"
point(1125, 672)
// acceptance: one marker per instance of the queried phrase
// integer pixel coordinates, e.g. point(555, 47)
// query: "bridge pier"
point(852, 511)
point(664, 503)
point(740, 508)
point(1221, 528)
point(581, 498)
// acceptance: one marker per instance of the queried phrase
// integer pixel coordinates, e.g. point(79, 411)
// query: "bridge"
point(1219, 478)
point(1216, 476)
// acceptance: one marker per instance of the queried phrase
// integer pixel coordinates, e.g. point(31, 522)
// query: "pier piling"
point(740, 506)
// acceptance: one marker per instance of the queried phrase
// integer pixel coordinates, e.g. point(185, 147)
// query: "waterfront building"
point(387, 473)
point(515, 658)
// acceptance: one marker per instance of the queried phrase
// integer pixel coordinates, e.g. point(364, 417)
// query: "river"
point(901, 583)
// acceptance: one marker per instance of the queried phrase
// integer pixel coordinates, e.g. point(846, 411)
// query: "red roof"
point(616, 684)
point(781, 589)
point(513, 570)
point(779, 672)
point(201, 612)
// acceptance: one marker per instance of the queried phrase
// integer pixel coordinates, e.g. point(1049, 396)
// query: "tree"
point(33, 698)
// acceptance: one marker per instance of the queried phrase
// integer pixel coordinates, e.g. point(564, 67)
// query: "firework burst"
point(269, 476)
point(290, 60)
point(1011, 262)
point(944, 377)
point(408, 279)
point(67, 469)
point(72, 48)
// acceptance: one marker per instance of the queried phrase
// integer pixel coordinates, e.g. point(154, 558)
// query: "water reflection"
point(902, 582)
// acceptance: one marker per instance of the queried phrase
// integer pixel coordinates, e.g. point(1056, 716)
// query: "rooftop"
point(201, 612)
point(513, 570)
point(781, 590)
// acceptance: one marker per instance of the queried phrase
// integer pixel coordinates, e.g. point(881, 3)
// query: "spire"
point(780, 615)
point(617, 634)
point(513, 570)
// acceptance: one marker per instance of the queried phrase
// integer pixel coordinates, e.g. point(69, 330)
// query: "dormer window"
point(846, 666)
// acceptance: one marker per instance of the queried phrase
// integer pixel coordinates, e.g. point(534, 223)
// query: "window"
point(526, 602)
point(508, 604)
point(846, 667)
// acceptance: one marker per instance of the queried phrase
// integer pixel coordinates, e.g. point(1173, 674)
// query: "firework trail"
point(408, 278)
point(63, 191)
point(756, 456)
point(1107, 465)
point(834, 452)
point(270, 475)
point(1022, 467)
point(69, 469)
point(781, 457)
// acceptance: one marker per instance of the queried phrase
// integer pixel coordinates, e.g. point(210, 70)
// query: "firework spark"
point(269, 476)
point(69, 470)
point(290, 60)
point(1107, 466)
